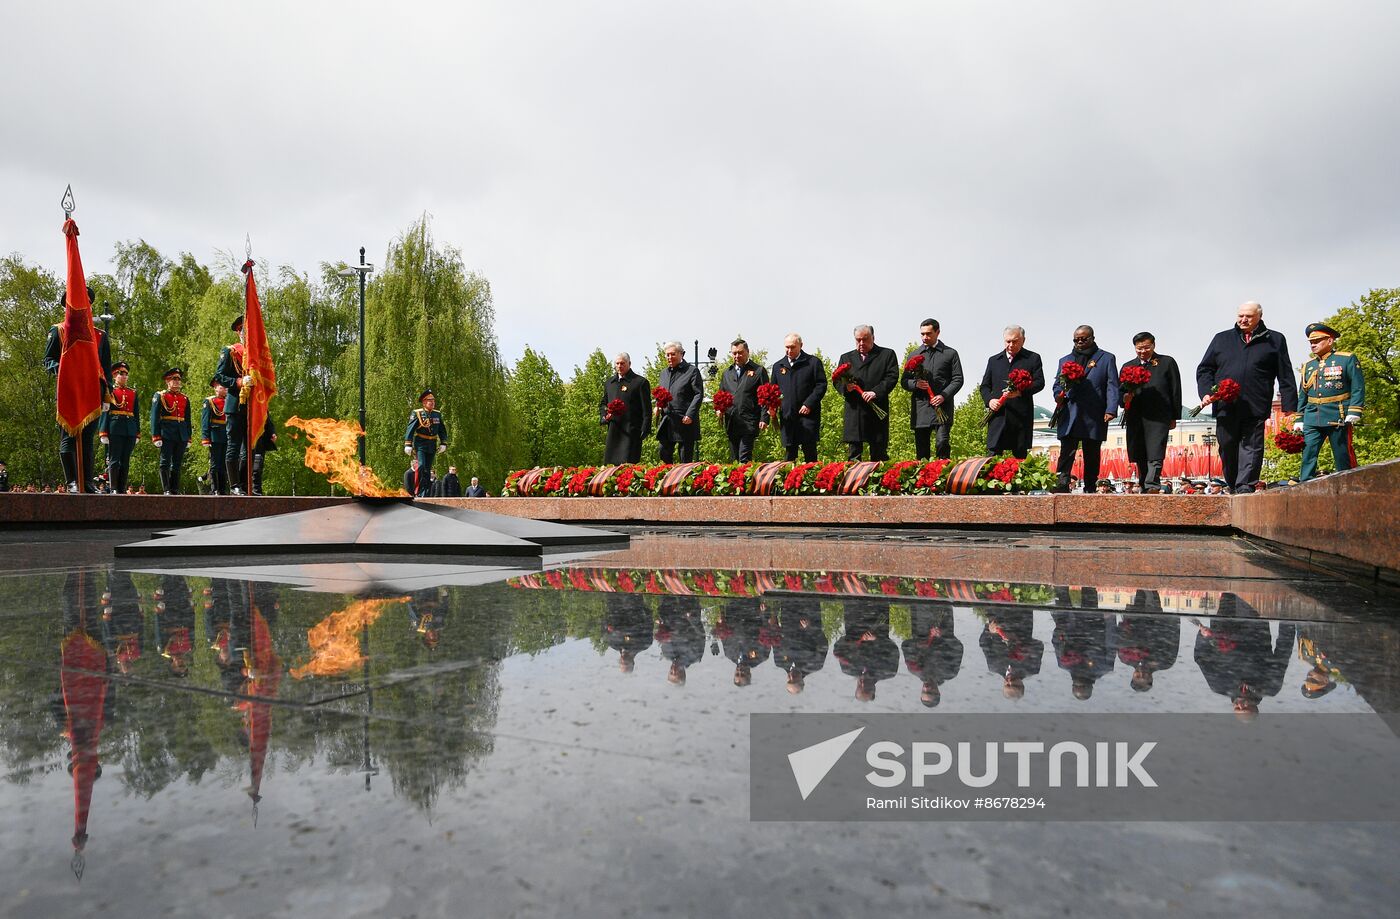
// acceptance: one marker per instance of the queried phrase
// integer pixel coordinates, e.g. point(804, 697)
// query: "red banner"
point(79, 369)
point(258, 357)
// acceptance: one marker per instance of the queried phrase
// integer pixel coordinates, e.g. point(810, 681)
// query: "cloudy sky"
point(628, 172)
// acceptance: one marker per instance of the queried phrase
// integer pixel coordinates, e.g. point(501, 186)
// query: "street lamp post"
point(362, 269)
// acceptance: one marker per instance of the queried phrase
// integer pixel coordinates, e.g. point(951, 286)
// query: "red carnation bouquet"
point(1227, 391)
point(1017, 381)
point(840, 375)
point(723, 401)
point(662, 397)
point(1132, 378)
point(1289, 442)
point(770, 398)
point(1070, 373)
point(616, 409)
point(915, 365)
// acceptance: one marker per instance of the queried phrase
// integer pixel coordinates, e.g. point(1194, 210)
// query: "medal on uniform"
point(782, 370)
point(624, 389)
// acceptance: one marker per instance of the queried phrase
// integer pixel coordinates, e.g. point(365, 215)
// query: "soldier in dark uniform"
point(120, 429)
point(865, 649)
point(213, 428)
point(67, 443)
point(267, 441)
point(175, 623)
point(627, 628)
point(1331, 399)
point(932, 652)
point(741, 630)
point(1147, 643)
point(4, 478)
point(424, 438)
point(681, 634)
point(1239, 658)
point(745, 419)
point(1013, 417)
point(232, 372)
point(1150, 413)
point(802, 379)
point(122, 622)
point(170, 429)
point(802, 645)
point(873, 375)
point(1011, 648)
point(678, 424)
point(627, 430)
point(932, 389)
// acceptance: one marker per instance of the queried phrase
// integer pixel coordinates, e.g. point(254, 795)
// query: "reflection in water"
point(802, 640)
point(85, 691)
point(1147, 644)
point(932, 652)
point(1081, 642)
point(174, 621)
point(681, 633)
point(335, 640)
point(627, 629)
point(747, 636)
point(865, 650)
point(1012, 651)
point(1240, 658)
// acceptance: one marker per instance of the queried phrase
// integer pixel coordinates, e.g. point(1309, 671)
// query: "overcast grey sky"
point(628, 172)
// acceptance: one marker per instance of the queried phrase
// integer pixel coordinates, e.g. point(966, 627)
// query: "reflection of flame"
point(331, 449)
point(335, 640)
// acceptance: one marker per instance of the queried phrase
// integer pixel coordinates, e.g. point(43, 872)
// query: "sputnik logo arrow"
point(811, 764)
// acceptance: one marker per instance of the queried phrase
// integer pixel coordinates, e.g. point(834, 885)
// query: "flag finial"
point(67, 203)
point(248, 246)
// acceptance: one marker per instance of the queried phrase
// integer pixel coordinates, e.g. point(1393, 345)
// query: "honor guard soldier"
point(67, 443)
point(170, 429)
point(213, 430)
point(1331, 399)
point(232, 372)
point(425, 438)
point(120, 429)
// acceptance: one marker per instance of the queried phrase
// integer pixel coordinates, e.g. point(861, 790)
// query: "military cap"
point(1318, 684)
point(1324, 328)
point(214, 381)
point(174, 372)
point(425, 394)
point(237, 325)
point(120, 365)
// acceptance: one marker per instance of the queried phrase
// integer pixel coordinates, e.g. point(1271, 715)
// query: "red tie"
point(1247, 337)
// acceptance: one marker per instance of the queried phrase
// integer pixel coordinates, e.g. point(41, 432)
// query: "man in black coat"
point(1151, 412)
point(1084, 408)
point(801, 647)
point(1014, 416)
point(680, 629)
point(802, 379)
point(1011, 648)
point(866, 390)
point(932, 652)
point(744, 419)
point(1146, 643)
point(410, 477)
point(932, 389)
point(865, 649)
point(450, 486)
point(1254, 357)
point(678, 424)
point(627, 429)
point(1239, 656)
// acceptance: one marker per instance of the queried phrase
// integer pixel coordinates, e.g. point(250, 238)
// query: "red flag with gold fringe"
point(79, 368)
point(258, 362)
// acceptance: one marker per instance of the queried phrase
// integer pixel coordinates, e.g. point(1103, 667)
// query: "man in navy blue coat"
point(1086, 407)
point(1254, 357)
point(802, 379)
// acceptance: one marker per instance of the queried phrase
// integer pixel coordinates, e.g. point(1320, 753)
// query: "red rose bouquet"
point(616, 409)
point(839, 377)
point(1132, 378)
point(770, 398)
point(1289, 442)
point(1017, 381)
point(723, 402)
point(915, 365)
point(661, 396)
point(1227, 391)
point(1070, 373)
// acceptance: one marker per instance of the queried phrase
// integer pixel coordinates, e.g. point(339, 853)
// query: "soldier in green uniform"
point(120, 429)
point(213, 428)
point(170, 428)
point(425, 437)
point(1331, 399)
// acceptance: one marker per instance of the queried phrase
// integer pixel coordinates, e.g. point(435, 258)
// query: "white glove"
point(1352, 419)
point(442, 448)
point(1298, 426)
point(248, 380)
point(157, 441)
point(105, 440)
point(407, 450)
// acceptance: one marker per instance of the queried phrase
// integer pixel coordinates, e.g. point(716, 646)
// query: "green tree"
point(29, 298)
point(536, 395)
point(968, 437)
point(1370, 329)
point(581, 437)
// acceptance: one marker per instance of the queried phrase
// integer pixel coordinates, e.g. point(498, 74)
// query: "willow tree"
point(536, 403)
point(430, 323)
point(29, 298)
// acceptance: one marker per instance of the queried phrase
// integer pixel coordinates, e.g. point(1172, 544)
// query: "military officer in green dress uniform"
point(1331, 399)
point(213, 431)
point(120, 429)
point(170, 428)
point(425, 437)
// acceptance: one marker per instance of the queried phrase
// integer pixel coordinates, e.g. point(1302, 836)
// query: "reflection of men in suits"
point(1151, 412)
point(866, 387)
point(1239, 658)
point(802, 643)
point(1147, 643)
point(865, 649)
point(678, 424)
point(1013, 415)
point(1085, 407)
point(681, 632)
point(1012, 651)
point(741, 629)
point(932, 652)
point(1081, 646)
point(627, 628)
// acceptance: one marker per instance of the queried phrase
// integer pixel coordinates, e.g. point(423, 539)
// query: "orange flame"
point(335, 640)
point(331, 450)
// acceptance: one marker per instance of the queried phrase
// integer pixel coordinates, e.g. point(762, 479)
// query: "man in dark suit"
point(1239, 656)
point(1254, 357)
point(475, 489)
point(627, 429)
point(932, 389)
point(450, 486)
point(932, 652)
point(1013, 415)
point(744, 419)
point(865, 649)
point(1151, 412)
point(1085, 407)
point(1011, 648)
point(801, 647)
point(802, 379)
point(866, 389)
point(678, 424)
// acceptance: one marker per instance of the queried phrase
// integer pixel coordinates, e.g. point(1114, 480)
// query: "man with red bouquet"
point(744, 419)
point(1254, 357)
point(1086, 399)
point(872, 373)
point(625, 410)
point(678, 422)
point(1150, 410)
point(1012, 412)
point(932, 375)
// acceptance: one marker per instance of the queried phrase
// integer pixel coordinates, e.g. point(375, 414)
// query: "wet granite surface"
point(573, 739)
